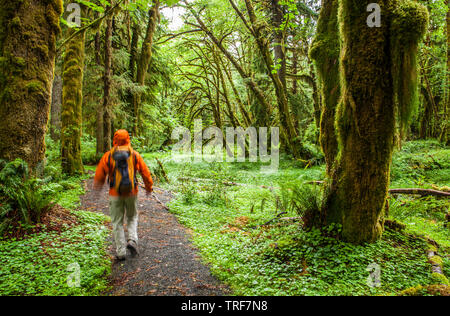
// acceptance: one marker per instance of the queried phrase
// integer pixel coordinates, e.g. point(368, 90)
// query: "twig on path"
point(155, 197)
point(159, 201)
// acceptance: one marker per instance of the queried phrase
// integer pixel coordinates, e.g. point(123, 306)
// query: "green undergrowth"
point(44, 263)
point(40, 260)
point(422, 164)
point(225, 204)
point(283, 259)
point(424, 216)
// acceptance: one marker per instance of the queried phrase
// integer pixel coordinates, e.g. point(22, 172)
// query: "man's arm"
point(145, 173)
point(101, 172)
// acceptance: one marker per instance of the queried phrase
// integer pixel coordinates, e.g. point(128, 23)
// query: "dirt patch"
point(56, 219)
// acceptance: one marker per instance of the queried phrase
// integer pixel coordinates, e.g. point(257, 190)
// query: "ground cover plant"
point(52, 245)
point(281, 257)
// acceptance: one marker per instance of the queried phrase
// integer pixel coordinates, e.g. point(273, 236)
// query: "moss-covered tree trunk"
point(325, 52)
point(72, 103)
point(278, 40)
point(55, 115)
point(144, 62)
point(132, 65)
point(107, 80)
point(446, 122)
point(288, 130)
point(426, 121)
point(99, 121)
point(378, 77)
point(28, 30)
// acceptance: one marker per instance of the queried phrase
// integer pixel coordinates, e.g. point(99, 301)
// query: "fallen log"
point(422, 192)
point(412, 191)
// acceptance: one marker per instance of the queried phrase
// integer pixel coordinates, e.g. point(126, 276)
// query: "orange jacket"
point(122, 139)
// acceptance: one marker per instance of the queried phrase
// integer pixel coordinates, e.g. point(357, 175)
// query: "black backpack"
point(122, 166)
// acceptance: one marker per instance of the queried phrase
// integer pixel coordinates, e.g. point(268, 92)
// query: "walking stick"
point(159, 201)
point(155, 197)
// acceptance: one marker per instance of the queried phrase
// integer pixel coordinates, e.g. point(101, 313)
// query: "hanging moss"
point(34, 86)
point(28, 31)
point(409, 22)
point(72, 102)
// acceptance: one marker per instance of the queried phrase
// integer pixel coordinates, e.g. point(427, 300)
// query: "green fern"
point(22, 198)
point(300, 198)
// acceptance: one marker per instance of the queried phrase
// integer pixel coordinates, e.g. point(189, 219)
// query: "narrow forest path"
point(168, 263)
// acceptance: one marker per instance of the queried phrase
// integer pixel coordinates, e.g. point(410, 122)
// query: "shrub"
point(303, 199)
point(22, 197)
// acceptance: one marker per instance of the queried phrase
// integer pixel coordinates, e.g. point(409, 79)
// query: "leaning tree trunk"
point(378, 77)
point(72, 102)
point(325, 51)
point(28, 31)
point(288, 130)
point(144, 62)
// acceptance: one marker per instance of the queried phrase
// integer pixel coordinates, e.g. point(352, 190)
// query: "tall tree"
point(28, 31)
point(278, 13)
point(325, 51)
point(379, 78)
point(132, 64)
point(144, 61)
point(445, 130)
point(72, 102)
point(288, 130)
point(55, 115)
point(107, 80)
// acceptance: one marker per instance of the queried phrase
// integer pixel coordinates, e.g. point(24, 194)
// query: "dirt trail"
point(168, 263)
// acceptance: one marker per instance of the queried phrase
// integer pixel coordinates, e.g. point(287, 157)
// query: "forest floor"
point(168, 263)
point(232, 210)
point(223, 227)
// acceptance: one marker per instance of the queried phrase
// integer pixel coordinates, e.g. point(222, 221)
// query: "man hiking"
point(121, 165)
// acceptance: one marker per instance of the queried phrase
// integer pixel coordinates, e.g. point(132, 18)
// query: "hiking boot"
point(119, 258)
point(132, 246)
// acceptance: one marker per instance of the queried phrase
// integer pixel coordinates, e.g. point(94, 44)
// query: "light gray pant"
point(118, 207)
